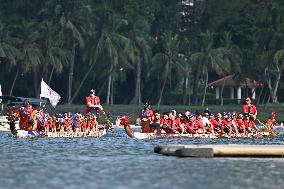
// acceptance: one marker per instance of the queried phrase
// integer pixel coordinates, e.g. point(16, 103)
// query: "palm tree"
point(232, 58)
point(271, 41)
point(8, 49)
point(166, 60)
point(185, 68)
point(31, 55)
point(72, 19)
point(275, 70)
point(142, 50)
point(105, 41)
point(137, 14)
point(221, 60)
point(208, 57)
point(54, 54)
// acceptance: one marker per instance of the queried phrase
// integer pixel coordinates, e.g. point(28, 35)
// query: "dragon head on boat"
point(12, 114)
point(125, 122)
point(271, 121)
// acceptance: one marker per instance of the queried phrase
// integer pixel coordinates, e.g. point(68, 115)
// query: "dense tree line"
point(132, 51)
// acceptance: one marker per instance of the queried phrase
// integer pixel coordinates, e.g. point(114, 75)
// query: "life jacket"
point(249, 109)
point(89, 99)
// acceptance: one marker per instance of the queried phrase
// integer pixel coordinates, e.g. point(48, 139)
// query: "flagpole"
point(40, 93)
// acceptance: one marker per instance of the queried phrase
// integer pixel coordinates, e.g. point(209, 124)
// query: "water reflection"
point(122, 162)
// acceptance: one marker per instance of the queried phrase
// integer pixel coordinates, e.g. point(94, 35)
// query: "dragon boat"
point(10, 122)
point(32, 134)
point(125, 122)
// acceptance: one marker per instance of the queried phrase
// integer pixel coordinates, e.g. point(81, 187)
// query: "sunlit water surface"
point(120, 162)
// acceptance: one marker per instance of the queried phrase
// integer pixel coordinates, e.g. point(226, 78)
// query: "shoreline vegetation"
point(133, 110)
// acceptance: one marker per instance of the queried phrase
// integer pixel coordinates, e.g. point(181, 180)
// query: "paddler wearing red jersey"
point(213, 121)
point(25, 113)
point(247, 122)
point(147, 113)
point(250, 109)
point(147, 116)
point(174, 123)
point(198, 122)
point(165, 122)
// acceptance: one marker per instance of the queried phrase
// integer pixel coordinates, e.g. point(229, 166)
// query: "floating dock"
point(209, 151)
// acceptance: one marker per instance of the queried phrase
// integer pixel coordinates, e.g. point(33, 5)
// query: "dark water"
point(120, 162)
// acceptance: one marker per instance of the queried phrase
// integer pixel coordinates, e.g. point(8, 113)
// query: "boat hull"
point(32, 134)
point(139, 135)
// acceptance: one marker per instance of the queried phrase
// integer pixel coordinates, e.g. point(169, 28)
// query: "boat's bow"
point(125, 122)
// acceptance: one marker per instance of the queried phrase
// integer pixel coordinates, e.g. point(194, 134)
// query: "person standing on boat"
point(25, 113)
point(146, 116)
point(93, 103)
point(250, 109)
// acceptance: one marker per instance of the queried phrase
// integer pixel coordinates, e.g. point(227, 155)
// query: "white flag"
point(47, 92)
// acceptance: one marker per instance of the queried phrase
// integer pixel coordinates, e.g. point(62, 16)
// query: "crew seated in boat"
point(155, 126)
point(249, 124)
point(208, 127)
point(174, 124)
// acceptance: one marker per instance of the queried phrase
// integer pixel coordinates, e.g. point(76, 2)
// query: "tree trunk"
point(184, 90)
point(14, 81)
point(71, 72)
point(196, 85)
point(275, 87)
point(205, 88)
point(50, 76)
point(260, 94)
point(264, 97)
point(108, 90)
point(222, 89)
point(269, 84)
point(161, 93)
point(45, 69)
point(111, 91)
point(82, 82)
point(189, 92)
point(137, 95)
point(36, 83)
point(102, 87)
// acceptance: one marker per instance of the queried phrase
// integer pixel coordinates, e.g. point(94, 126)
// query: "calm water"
point(121, 162)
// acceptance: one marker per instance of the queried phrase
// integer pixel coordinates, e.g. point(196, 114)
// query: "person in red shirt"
point(225, 124)
point(250, 109)
point(146, 116)
point(165, 123)
point(155, 126)
point(240, 124)
point(249, 124)
point(198, 125)
point(219, 123)
point(25, 113)
point(174, 123)
point(213, 122)
point(93, 103)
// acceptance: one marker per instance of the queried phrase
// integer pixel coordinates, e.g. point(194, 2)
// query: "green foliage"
point(170, 40)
